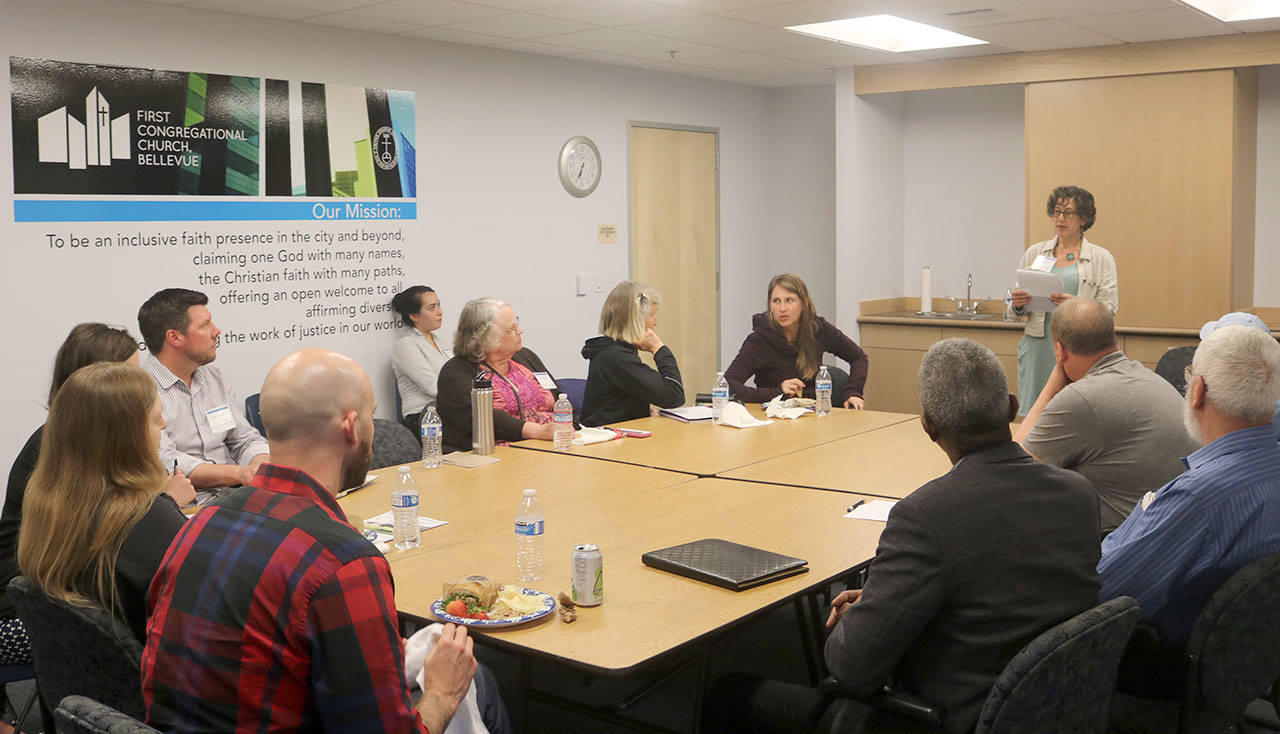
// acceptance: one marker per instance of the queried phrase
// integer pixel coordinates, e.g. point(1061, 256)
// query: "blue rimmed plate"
point(548, 606)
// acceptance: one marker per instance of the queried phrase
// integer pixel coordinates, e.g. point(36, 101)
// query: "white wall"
point(870, 197)
point(1266, 249)
point(493, 219)
point(965, 161)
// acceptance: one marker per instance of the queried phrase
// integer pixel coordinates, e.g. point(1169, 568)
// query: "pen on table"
point(175, 467)
point(855, 505)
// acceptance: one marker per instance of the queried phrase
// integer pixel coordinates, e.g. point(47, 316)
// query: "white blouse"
point(416, 362)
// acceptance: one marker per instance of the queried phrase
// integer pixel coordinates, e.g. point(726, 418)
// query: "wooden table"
point(890, 462)
point(705, 449)
point(646, 612)
point(480, 503)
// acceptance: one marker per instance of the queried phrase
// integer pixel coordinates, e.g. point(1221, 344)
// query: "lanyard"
point(512, 385)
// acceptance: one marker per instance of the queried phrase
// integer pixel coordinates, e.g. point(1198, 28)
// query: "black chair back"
point(80, 715)
point(1062, 681)
point(839, 378)
point(253, 413)
point(393, 444)
point(79, 650)
point(1172, 364)
point(1233, 655)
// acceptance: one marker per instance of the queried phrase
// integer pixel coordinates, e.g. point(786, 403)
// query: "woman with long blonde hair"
point(619, 386)
point(99, 482)
point(785, 348)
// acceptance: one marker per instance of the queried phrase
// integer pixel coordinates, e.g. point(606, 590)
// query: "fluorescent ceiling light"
point(886, 33)
point(1236, 10)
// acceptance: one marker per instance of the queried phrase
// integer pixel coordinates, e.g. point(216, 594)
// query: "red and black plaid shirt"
point(271, 613)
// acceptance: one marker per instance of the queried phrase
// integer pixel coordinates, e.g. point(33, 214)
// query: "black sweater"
point(453, 400)
point(620, 387)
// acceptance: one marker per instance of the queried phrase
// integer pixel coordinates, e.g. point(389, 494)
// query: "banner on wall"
point(232, 147)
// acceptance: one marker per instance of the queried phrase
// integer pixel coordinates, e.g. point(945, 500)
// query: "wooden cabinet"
point(895, 351)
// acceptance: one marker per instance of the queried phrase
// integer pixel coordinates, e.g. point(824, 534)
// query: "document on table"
point(1040, 286)
point(874, 510)
point(688, 413)
point(386, 522)
point(468, 461)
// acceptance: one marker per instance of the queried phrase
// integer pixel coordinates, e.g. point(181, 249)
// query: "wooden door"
point(675, 243)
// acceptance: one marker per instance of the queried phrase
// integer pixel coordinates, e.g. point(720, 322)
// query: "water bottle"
point(822, 388)
point(482, 415)
point(432, 435)
point(530, 564)
point(564, 423)
point(404, 509)
point(719, 396)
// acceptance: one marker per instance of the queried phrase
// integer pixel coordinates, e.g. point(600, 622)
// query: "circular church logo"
point(384, 148)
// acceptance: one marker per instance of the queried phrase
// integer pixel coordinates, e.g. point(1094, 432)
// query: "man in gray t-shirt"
point(1104, 415)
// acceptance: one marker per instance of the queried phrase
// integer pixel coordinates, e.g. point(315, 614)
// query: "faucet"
point(967, 306)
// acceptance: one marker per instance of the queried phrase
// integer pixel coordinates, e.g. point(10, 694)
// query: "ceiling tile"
point(612, 13)
point(834, 54)
point(356, 23)
point(600, 39)
point(759, 65)
point(255, 8)
point(780, 16)
point(535, 47)
point(450, 35)
point(696, 26)
point(520, 26)
point(1258, 26)
point(660, 50)
point(720, 6)
point(425, 12)
point(1150, 25)
point(522, 6)
point(762, 40)
point(821, 77)
point(1037, 35)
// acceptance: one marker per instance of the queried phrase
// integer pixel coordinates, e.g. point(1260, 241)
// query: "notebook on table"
point(720, 562)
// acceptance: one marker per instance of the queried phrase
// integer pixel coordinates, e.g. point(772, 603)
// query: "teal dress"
point(1035, 353)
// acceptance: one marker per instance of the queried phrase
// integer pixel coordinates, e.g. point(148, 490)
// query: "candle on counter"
point(926, 290)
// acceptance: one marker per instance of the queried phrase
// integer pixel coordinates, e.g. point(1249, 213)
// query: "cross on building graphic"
point(61, 138)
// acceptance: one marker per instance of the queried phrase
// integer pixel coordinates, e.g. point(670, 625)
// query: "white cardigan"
point(417, 366)
point(1097, 279)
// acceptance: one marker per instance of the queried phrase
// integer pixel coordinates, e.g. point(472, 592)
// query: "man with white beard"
point(1184, 540)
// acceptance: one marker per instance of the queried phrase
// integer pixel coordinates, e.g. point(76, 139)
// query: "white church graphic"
point(64, 139)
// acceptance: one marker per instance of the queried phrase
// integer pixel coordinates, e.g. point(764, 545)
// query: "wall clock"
point(579, 166)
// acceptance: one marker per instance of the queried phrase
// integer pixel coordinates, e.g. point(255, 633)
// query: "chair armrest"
point(885, 699)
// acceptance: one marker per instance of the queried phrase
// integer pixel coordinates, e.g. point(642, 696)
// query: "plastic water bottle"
point(719, 396)
point(822, 388)
point(564, 423)
point(432, 436)
point(404, 510)
point(530, 523)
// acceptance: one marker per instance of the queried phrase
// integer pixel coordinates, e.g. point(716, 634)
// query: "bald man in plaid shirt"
point(270, 612)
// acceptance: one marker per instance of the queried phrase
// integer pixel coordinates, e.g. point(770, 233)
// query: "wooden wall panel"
point(1159, 153)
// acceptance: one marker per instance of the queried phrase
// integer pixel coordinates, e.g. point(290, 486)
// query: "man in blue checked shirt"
point(1184, 540)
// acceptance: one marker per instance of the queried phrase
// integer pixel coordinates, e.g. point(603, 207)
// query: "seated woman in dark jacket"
point(488, 339)
point(96, 521)
point(619, 386)
point(784, 351)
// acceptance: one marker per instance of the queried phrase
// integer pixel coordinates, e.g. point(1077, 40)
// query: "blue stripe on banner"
point(221, 210)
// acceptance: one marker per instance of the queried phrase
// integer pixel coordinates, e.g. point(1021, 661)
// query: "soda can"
point(587, 580)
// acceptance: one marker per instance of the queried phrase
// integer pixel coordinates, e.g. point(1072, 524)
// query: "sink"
point(947, 316)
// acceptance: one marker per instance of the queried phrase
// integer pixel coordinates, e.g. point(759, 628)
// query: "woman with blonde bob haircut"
point(784, 350)
point(99, 480)
point(619, 386)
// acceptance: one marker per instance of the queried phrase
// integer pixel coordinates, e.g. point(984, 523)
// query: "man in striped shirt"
point(1184, 540)
point(207, 437)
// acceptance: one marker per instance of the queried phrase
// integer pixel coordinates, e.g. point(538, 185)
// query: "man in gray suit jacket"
point(970, 568)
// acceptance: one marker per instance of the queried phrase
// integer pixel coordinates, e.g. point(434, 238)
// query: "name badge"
point(220, 419)
point(1043, 263)
point(545, 380)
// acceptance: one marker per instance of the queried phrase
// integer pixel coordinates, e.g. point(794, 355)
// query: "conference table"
point(753, 486)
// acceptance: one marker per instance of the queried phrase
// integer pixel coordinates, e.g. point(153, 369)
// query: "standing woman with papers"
point(619, 386)
point(784, 350)
point(1085, 269)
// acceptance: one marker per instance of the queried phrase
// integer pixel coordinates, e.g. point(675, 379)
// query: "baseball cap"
point(1235, 318)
